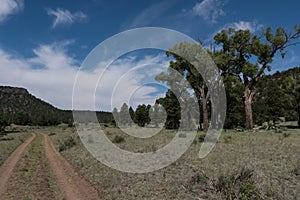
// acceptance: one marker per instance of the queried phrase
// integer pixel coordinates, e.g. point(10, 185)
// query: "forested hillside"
point(278, 96)
point(18, 106)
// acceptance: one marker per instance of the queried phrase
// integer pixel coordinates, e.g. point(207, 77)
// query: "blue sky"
point(43, 43)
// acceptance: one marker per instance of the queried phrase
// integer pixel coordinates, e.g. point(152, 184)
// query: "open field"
point(260, 165)
point(251, 165)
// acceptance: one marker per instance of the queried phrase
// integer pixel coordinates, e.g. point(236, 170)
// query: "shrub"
point(182, 135)
point(296, 170)
point(24, 169)
point(240, 186)
point(227, 139)
point(51, 134)
point(2, 133)
point(3, 124)
point(6, 138)
point(66, 144)
point(272, 193)
point(278, 130)
point(199, 178)
point(286, 134)
point(201, 137)
point(118, 139)
point(225, 185)
point(198, 182)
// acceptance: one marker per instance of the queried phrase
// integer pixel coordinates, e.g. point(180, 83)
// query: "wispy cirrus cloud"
point(10, 7)
point(209, 10)
point(64, 17)
point(149, 16)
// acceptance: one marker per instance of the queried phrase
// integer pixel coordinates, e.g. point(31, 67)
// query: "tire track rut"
point(6, 169)
point(70, 183)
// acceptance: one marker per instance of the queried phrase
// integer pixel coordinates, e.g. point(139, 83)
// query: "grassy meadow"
point(250, 165)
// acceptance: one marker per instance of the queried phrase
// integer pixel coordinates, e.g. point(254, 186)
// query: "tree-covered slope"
point(18, 106)
point(278, 96)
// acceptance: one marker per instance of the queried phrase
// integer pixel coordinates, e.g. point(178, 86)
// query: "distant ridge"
point(18, 106)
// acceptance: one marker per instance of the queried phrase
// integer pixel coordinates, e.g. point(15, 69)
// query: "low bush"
point(51, 134)
point(199, 178)
point(239, 186)
point(118, 139)
point(182, 135)
point(66, 144)
point(227, 139)
point(296, 170)
point(286, 134)
point(24, 169)
point(201, 137)
point(6, 138)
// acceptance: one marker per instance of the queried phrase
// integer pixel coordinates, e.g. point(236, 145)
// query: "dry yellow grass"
point(273, 157)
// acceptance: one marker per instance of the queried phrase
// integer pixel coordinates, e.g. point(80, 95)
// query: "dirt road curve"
point(7, 168)
point(69, 182)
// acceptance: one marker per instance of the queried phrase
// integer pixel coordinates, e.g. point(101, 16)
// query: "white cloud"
point(253, 26)
point(126, 80)
point(53, 56)
point(209, 10)
point(245, 25)
point(65, 17)
point(10, 7)
point(50, 75)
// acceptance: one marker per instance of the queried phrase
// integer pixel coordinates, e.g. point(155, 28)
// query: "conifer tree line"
point(243, 60)
point(142, 116)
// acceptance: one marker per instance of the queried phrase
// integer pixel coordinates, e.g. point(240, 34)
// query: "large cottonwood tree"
point(247, 56)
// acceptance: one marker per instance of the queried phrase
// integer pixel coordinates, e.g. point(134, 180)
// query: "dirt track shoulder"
point(9, 164)
point(70, 182)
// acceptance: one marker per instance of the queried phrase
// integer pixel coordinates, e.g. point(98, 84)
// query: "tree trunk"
point(248, 97)
point(198, 95)
point(205, 116)
point(298, 115)
point(204, 109)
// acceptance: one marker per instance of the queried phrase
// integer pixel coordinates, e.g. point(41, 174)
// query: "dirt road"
point(71, 183)
point(36, 170)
